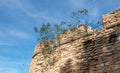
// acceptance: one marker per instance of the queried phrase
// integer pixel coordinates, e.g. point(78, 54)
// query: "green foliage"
point(57, 30)
point(44, 32)
point(38, 59)
point(63, 22)
point(64, 31)
point(86, 27)
point(84, 11)
point(99, 23)
point(51, 33)
point(47, 51)
point(76, 15)
point(83, 34)
point(36, 30)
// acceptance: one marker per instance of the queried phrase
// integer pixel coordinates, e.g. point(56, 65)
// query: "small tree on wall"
point(57, 31)
point(52, 33)
point(44, 32)
point(45, 36)
point(76, 21)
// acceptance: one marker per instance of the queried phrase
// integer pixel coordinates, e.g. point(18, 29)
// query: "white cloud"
point(8, 70)
point(19, 34)
point(12, 32)
point(27, 8)
point(94, 15)
point(101, 5)
point(9, 4)
point(94, 12)
point(5, 44)
point(9, 36)
point(15, 34)
point(16, 5)
point(80, 3)
point(4, 67)
point(12, 65)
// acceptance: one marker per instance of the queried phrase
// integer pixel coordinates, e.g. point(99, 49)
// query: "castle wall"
point(112, 19)
point(97, 53)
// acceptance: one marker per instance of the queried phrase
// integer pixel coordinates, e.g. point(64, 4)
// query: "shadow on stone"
point(100, 55)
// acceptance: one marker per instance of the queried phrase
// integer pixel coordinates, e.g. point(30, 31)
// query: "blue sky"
point(18, 17)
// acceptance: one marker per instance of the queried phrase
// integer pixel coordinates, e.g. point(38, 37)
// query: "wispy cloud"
point(92, 8)
point(9, 36)
point(78, 3)
point(95, 8)
point(94, 15)
point(27, 8)
point(19, 34)
point(5, 44)
point(4, 67)
point(13, 32)
point(94, 3)
point(15, 5)
point(8, 65)
point(8, 70)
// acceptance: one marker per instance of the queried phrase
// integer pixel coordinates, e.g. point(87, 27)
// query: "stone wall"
point(72, 35)
point(112, 19)
point(97, 53)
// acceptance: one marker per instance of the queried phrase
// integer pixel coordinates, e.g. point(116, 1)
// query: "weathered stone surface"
point(96, 53)
point(112, 19)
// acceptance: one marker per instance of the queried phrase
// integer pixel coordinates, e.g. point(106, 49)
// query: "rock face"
point(97, 53)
